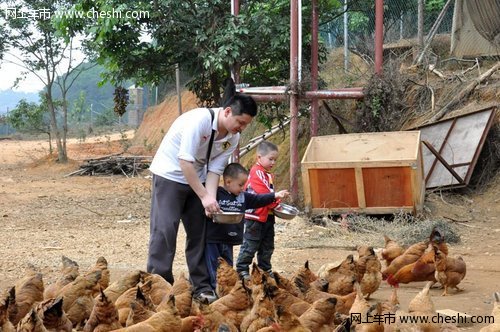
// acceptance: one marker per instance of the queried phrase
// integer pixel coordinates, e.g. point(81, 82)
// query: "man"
point(183, 188)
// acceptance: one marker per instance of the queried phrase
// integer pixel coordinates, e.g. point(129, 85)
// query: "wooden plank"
point(368, 210)
point(363, 164)
point(360, 147)
point(360, 188)
point(388, 186)
point(306, 187)
point(331, 188)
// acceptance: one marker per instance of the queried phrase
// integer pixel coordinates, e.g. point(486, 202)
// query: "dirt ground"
point(45, 214)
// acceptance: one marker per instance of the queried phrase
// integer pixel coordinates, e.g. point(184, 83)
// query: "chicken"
point(263, 311)
point(77, 297)
point(286, 284)
point(449, 271)
point(372, 324)
point(182, 290)
point(409, 256)
point(320, 316)
point(117, 288)
point(165, 320)
point(372, 277)
point(54, 318)
point(139, 311)
point(103, 283)
point(340, 276)
point(235, 305)
point(104, 316)
point(69, 272)
point(293, 304)
point(391, 250)
point(28, 291)
point(288, 321)
point(423, 268)
point(212, 319)
point(420, 306)
point(31, 323)
point(10, 302)
point(5, 324)
point(154, 286)
point(494, 327)
point(305, 274)
point(226, 277)
point(308, 293)
point(136, 295)
point(192, 323)
point(363, 253)
point(360, 307)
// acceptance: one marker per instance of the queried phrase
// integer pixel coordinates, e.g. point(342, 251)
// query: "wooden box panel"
point(387, 187)
point(333, 188)
point(374, 173)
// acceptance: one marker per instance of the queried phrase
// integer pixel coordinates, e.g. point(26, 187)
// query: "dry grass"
point(352, 230)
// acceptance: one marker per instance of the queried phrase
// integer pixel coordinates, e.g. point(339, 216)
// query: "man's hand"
point(210, 204)
point(281, 194)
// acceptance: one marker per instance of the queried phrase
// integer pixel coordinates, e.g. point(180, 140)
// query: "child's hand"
point(281, 194)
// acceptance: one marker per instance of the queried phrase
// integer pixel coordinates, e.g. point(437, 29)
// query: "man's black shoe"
point(206, 297)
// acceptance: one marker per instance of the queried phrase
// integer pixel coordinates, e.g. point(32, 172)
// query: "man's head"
point(238, 111)
point(267, 153)
point(235, 176)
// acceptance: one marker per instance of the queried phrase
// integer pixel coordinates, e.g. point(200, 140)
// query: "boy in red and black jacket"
point(258, 236)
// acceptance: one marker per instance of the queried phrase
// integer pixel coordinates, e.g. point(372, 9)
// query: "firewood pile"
point(126, 165)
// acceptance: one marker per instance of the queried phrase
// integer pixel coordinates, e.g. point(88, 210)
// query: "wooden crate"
point(373, 173)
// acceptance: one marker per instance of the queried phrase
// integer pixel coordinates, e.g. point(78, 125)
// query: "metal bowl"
point(228, 217)
point(285, 211)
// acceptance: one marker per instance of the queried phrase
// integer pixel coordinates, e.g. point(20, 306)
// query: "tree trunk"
point(65, 120)
point(50, 142)
point(215, 89)
point(61, 152)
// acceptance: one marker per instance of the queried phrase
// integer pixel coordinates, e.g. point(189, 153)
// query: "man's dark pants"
point(172, 202)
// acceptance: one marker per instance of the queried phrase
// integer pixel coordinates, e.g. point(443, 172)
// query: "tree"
point(30, 117)
point(44, 53)
point(202, 36)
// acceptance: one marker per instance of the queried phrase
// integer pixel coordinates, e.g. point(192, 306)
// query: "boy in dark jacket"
point(231, 197)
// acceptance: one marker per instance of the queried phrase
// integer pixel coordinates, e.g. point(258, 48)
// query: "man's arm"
point(207, 198)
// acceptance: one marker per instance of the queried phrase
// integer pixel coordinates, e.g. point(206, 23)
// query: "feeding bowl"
point(285, 211)
point(227, 217)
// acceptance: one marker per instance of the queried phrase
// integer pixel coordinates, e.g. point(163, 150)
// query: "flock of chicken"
point(324, 301)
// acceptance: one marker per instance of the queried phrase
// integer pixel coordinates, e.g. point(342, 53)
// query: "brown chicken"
point(5, 324)
point(391, 250)
point(360, 307)
point(449, 271)
point(420, 306)
point(69, 272)
point(192, 323)
point(117, 288)
point(31, 323)
point(154, 286)
point(54, 318)
point(212, 319)
point(226, 277)
point(409, 256)
point(372, 277)
point(77, 297)
point(286, 284)
point(103, 283)
point(235, 305)
point(165, 320)
point(311, 294)
point(104, 316)
point(28, 291)
point(138, 313)
point(364, 252)
point(182, 290)
point(305, 274)
point(288, 321)
point(494, 327)
point(423, 268)
point(340, 277)
point(136, 295)
point(293, 304)
point(320, 316)
point(263, 312)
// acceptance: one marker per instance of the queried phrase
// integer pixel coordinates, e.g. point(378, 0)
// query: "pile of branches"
point(126, 165)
